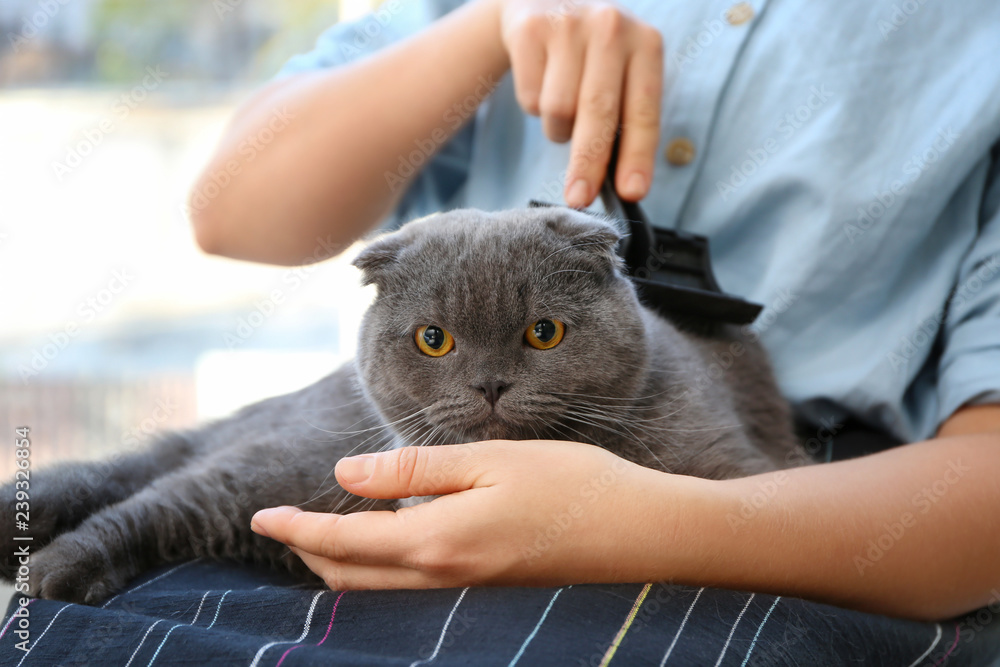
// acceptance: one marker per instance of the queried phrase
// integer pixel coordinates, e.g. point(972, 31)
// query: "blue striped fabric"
point(209, 614)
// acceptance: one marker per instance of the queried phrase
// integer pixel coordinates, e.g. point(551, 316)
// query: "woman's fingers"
point(527, 48)
point(598, 111)
point(350, 576)
point(374, 538)
point(561, 87)
point(641, 116)
point(417, 547)
point(588, 68)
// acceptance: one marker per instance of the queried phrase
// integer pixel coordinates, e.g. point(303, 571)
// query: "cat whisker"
point(534, 431)
point(614, 410)
point(580, 436)
point(649, 426)
point(318, 494)
point(377, 426)
point(360, 398)
point(410, 434)
point(567, 271)
point(611, 398)
point(347, 497)
point(724, 427)
point(640, 423)
point(621, 416)
point(630, 435)
point(335, 486)
point(647, 368)
point(413, 437)
point(630, 408)
point(373, 428)
point(354, 449)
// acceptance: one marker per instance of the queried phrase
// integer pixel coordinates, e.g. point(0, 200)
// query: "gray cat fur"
point(623, 378)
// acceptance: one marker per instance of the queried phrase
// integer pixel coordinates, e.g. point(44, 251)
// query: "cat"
point(510, 325)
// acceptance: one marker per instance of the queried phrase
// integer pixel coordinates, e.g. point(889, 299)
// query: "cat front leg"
point(187, 514)
point(201, 511)
point(63, 496)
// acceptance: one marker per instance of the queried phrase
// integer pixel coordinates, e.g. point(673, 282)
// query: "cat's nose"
point(491, 390)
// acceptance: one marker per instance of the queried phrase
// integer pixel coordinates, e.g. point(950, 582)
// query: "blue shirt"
point(845, 169)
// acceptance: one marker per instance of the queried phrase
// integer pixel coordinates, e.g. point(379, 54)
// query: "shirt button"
point(680, 151)
point(739, 13)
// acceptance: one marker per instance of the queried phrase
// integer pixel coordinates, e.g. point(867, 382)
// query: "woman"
point(842, 159)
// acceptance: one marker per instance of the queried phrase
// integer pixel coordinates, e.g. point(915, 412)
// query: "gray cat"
point(514, 325)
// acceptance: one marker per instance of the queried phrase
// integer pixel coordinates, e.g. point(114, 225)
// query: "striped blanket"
point(202, 613)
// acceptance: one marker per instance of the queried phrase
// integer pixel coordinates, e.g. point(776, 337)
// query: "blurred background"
point(114, 325)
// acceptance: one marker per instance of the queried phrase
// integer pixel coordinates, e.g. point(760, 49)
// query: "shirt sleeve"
point(440, 178)
point(969, 369)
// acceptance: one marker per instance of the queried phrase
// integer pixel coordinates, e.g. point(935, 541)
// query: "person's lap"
point(212, 614)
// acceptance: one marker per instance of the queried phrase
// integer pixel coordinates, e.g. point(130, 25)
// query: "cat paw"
point(39, 527)
point(74, 568)
point(41, 512)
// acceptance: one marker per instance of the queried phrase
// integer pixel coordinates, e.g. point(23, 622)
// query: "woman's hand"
point(587, 67)
point(913, 534)
point(528, 512)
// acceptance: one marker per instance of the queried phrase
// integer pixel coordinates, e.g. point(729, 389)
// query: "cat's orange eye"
point(434, 341)
point(545, 334)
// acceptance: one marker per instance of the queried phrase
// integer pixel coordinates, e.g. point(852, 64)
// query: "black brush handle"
point(639, 244)
point(672, 269)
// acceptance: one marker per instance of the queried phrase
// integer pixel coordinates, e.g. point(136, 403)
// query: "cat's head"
point(499, 325)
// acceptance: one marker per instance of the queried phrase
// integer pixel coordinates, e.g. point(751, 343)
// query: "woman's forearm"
point(911, 532)
point(315, 160)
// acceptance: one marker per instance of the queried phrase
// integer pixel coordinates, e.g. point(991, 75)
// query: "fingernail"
point(635, 186)
point(355, 469)
point(578, 194)
point(259, 516)
point(268, 514)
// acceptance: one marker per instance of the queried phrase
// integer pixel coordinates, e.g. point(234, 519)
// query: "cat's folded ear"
point(379, 257)
point(594, 236)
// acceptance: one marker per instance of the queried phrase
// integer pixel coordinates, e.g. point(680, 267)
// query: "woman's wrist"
point(484, 19)
point(710, 533)
point(684, 518)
